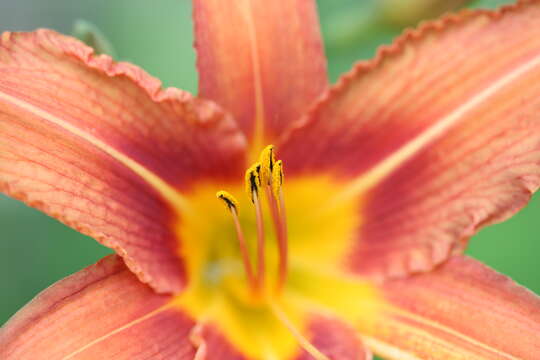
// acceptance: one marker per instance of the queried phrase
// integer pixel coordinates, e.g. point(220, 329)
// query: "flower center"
point(259, 279)
point(263, 181)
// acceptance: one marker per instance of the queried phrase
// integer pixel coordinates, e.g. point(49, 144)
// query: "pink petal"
point(436, 137)
point(99, 146)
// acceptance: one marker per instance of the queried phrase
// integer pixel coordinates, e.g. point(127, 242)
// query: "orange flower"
point(349, 237)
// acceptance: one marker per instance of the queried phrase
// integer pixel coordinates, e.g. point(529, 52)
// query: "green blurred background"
point(36, 251)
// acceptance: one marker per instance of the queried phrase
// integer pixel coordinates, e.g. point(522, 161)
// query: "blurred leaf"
point(345, 25)
point(512, 247)
point(157, 38)
point(489, 4)
point(93, 37)
point(402, 13)
point(35, 251)
point(341, 59)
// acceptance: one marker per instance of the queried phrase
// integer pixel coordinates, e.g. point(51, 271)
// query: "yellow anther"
point(228, 199)
point(253, 180)
point(277, 178)
point(267, 160)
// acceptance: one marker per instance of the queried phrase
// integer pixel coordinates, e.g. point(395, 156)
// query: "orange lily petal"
point(212, 345)
point(99, 146)
point(461, 310)
point(261, 60)
point(105, 312)
point(438, 136)
point(325, 336)
point(335, 340)
point(101, 312)
point(321, 337)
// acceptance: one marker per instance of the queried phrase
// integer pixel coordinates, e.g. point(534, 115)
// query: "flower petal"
point(212, 345)
point(334, 339)
point(105, 312)
point(325, 335)
point(438, 136)
point(462, 310)
point(99, 146)
point(247, 66)
point(101, 312)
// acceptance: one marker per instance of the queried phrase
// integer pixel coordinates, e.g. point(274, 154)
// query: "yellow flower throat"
point(259, 279)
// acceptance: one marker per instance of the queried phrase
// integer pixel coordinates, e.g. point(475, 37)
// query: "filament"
point(232, 205)
point(260, 241)
point(278, 217)
point(243, 249)
point(267, 174)
point(282, 240)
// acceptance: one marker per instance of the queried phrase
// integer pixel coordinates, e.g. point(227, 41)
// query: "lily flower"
point(274, 216)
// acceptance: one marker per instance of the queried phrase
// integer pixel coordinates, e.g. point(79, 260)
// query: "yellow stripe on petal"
point(440, 127)
point(168, 192)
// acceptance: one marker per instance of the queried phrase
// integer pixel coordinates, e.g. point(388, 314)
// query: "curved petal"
point(99, 145)
point(462, 310)
point(437, 136)
point(247, 66)
point(101, 312)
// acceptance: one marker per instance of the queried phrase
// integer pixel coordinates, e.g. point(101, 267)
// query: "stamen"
point(228, 199)
point(282, 242)
point(277, 178)
point(253, 185)
point(267, 173)
point(277, 205)
point(260, 242)
point(253, 180)
point(232, 205)
point(267, 160)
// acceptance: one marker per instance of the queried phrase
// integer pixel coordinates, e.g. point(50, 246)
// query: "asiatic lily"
point(361, 196)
